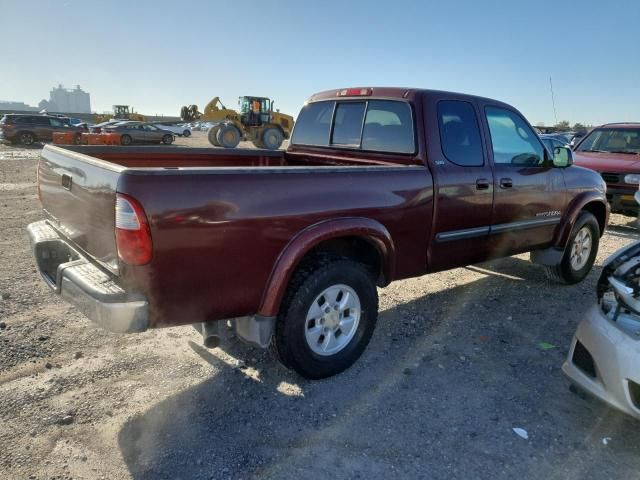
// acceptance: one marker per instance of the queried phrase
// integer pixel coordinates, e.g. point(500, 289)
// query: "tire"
point(26, 138)
point(186, 133)
point(228, 136)
point(300, 340)
point(126, 140)
point(77, 140)
point(272, 138)
point(212, 135)
point(577, 260)
point(167, 139)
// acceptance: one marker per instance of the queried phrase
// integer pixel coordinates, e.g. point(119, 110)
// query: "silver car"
point(140, 132)
point(604, 358)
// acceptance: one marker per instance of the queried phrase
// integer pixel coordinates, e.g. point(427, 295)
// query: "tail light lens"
point(133, 236)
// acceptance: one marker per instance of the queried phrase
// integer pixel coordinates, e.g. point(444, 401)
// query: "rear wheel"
point(212, 135)
point(186, 133)
point(27, 138)
point(327, 319)
point(167, 139)
point(228, 136)
point(77, 140)
point(126, 140)
point(272, 138)
point(580, 252)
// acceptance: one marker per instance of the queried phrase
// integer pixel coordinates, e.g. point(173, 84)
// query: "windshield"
point(613, 140)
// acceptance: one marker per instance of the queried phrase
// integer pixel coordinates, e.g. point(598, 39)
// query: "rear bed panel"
point(78, 197)
point(217, 234)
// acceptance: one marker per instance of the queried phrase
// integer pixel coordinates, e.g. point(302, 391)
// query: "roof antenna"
point(553, 101)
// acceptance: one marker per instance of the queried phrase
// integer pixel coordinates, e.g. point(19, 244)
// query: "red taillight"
point(133, 236)
point(355, 92)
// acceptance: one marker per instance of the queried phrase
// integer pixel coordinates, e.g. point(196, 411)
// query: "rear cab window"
point(460, 133)
point(371, 125)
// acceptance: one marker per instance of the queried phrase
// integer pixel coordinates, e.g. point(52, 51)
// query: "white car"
point(177, 129)
point(604, 359)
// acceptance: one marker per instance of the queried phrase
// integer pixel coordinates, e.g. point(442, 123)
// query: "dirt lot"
point(454, 365)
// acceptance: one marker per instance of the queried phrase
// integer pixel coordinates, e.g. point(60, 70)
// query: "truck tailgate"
point(78, 195)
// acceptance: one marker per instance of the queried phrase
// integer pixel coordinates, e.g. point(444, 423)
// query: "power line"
point(553, 101)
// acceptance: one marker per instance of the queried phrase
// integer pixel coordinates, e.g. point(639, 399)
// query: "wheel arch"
point(591, 202)
point(362, 239)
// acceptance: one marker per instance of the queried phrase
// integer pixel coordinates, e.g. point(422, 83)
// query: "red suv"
point(28, 129)
point(613, 150)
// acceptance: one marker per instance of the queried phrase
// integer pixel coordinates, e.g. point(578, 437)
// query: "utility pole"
point(553, 101)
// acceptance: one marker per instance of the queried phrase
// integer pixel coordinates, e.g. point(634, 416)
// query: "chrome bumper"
point(613, 361)
point(81, 283)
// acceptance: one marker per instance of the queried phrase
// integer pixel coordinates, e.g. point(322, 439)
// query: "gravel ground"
point(454, 365)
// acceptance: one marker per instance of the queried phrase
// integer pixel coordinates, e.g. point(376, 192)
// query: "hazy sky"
point(159, 55)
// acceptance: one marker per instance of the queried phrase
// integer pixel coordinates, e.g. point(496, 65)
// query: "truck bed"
point(186, 157)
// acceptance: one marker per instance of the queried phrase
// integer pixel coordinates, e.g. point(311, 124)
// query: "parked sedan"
point(180, 130)
point(552, 141)
point(139, 132)
point(604, 359)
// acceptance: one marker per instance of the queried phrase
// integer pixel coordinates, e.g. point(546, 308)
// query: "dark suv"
point(28, 129)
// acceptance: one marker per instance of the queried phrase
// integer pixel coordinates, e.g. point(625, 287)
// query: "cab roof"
point(401, 93)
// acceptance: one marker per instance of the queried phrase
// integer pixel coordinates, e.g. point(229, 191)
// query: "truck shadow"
point(449, 371)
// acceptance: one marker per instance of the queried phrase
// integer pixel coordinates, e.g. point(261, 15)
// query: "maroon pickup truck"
point(378, 184)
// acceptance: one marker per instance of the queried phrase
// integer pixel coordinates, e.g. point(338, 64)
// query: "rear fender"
point(293, 253)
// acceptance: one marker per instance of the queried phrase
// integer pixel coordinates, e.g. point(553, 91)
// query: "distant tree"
point(564, 125)
point(579, 127)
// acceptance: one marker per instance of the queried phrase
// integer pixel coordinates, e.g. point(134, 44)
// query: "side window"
point(388, 127)
point(513, 141)
point(459, 133)
point(41, 121)
point(54, 122)
point(347, 125)
point(23, 120)
point(313, 124)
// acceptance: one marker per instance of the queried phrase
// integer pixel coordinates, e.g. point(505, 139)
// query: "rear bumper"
point(81, 283)
point(605, 361)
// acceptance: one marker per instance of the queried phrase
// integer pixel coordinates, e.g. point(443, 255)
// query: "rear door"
point(42, 128)
point(530, 194)
point(463, 182)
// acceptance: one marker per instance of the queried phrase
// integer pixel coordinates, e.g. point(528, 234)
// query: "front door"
point(530, 194)
point(463, 184)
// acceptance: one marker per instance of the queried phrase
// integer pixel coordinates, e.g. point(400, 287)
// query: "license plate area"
point(50, 255)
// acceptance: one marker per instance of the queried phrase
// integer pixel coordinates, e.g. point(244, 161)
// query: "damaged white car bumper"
point(604, 358)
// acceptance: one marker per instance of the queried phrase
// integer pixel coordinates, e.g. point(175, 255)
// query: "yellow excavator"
point(120, 112)
point(255, 121)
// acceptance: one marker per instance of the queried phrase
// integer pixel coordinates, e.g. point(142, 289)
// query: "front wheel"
point(228, 136)
point(212, 135)
point(186, 133)
point(327, 318)
point(167, 139)
point(126, 140)
point(580, 252)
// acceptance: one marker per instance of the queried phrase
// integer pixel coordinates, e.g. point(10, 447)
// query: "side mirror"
point(562, 157)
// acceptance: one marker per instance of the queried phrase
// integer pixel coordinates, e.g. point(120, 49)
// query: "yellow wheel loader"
point(120, 112)
point(256, 122)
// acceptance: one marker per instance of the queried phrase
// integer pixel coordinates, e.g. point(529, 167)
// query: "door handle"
point(482, 184)
point(506, 183)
